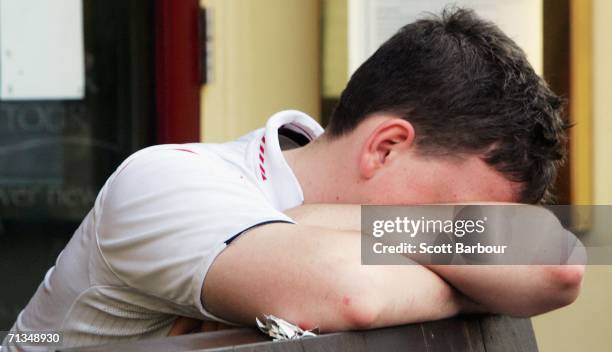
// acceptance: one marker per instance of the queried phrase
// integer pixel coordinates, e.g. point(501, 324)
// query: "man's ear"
point(384, 144)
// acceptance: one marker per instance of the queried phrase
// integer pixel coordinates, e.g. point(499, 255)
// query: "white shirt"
point(140, 257)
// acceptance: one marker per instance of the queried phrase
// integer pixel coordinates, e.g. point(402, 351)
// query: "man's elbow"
point(360, 312)
point(557, 286)
point(358, 302)
point(566, 280)
point(562, 286)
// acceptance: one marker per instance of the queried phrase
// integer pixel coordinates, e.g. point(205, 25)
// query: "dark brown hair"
point(467, 88)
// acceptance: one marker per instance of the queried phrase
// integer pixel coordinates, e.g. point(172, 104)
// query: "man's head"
point(450, 104)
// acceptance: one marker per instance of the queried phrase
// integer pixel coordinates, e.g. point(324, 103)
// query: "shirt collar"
point(273, 174)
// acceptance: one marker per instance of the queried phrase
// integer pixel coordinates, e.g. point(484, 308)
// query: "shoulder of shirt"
point(175, 166)
point(171, 159)
point(159, 176)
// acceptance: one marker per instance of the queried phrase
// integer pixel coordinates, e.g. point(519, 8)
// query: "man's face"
point(392, 169)
point(417, 179)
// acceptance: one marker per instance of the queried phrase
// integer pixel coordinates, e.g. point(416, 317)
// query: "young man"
point(448, 110)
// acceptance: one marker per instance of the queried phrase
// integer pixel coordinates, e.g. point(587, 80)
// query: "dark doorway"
point(556, 33)
point(56, 155)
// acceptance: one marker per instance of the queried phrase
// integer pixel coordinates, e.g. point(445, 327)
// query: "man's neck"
point(313, 166)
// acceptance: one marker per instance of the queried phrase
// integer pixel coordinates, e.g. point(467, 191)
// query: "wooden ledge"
point(468, 333)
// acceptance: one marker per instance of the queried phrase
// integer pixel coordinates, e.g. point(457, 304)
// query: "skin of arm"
point(312, 276)
point(517, 290)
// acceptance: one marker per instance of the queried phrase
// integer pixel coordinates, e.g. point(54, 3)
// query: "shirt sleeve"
point(165, 217)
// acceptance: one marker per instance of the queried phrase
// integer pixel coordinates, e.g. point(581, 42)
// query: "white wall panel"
point(371, 22)
point(41, 49)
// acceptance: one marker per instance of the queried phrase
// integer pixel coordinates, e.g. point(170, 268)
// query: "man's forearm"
point(520, 290)
point(311, 276)
point(517, 290)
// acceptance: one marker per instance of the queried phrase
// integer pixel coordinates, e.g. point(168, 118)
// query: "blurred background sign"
point(41, 49)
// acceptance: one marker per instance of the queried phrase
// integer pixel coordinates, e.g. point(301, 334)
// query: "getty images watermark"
point(485, 234)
